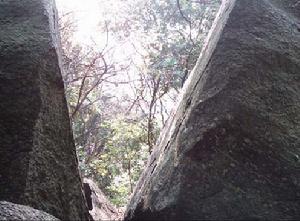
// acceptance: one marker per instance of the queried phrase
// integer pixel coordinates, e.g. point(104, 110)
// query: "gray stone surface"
point(38, 164)
point(11, 211)
point(102, 208)
point(232, 148)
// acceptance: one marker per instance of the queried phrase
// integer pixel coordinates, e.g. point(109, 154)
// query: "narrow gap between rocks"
point(124, 64)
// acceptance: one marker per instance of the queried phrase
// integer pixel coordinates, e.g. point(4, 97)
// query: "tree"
point(168, 36)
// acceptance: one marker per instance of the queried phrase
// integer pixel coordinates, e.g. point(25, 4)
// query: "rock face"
point(11, 211)
point(101, 208)
point(38, 164)
point(231, 151)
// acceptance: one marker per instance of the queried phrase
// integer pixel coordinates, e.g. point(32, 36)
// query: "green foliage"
point(120, 163)
point(170, 31)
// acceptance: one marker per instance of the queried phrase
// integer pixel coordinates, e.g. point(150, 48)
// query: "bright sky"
point(88, 15)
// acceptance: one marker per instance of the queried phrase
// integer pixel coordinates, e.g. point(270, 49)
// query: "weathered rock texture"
point(102, 209)
point(38, 164)
point(231, 151)
point(11, 211)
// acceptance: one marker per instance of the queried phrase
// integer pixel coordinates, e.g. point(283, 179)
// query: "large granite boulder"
point(11, 211)
point(232, 149)
point(38, 164)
